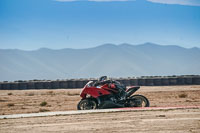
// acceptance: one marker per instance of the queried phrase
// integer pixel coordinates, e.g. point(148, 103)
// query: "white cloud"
point(94, 0)
point(109, 0)
point(65, 0)
point(178, 2)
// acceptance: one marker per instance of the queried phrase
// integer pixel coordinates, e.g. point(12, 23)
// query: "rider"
point(104, 80)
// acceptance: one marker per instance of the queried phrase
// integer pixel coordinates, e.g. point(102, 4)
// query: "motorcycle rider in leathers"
point(104, 80)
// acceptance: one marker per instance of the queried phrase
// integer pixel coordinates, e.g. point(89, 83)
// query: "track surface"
point(174, 109)
point(29, 101)
point(138, 121)
point(93, 111)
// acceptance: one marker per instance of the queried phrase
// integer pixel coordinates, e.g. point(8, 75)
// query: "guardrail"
point(79, 83)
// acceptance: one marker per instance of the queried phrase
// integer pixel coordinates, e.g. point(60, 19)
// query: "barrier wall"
point(79, 83)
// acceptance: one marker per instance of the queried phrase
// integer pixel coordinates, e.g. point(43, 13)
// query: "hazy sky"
point(32, 24)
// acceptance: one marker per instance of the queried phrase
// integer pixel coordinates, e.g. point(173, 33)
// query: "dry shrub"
point(50, 93)
point(73, 93)
point(188, 100)
point(9, 93)
point(23, 108)
point(161, 116)
point(44, 103)
point(182, 95)
point(43, 110)
point(2, 100)
point(10, 104)
point(30, 94)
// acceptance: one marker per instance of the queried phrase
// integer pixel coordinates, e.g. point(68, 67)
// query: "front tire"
point(138, 101)
point(87, 104)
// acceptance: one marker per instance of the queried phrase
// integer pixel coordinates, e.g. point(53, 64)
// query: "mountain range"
point(124, 60)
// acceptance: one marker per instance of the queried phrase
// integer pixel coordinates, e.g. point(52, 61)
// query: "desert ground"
point(32, 101)
point(168, 121)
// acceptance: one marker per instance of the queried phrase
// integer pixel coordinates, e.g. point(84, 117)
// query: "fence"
point(79, 83)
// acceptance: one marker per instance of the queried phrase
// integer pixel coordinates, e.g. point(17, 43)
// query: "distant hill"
point(123, 60)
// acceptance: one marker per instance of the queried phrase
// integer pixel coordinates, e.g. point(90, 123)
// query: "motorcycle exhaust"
point(110, 104)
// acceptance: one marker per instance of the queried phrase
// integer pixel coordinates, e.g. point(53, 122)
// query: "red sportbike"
point(109, 96)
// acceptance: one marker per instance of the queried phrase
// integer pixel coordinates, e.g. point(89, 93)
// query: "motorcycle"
point(107, 96)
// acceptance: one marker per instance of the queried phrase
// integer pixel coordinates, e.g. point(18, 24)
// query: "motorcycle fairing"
point(94, 92)
point(132, 87)
point(131, 90)
point(106, 87)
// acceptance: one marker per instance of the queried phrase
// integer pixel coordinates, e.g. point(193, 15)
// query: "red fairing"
point(111, 88)
point(94, 92)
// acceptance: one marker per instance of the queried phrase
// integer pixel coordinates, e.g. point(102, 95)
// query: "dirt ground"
point(168, 121)
point(33, 101)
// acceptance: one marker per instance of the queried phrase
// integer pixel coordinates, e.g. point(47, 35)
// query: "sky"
point(57, 24)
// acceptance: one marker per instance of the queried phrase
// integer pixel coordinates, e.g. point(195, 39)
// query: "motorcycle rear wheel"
point(139, 101)
point(87, 104)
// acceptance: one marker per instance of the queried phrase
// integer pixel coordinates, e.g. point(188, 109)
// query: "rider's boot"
point(123, 96)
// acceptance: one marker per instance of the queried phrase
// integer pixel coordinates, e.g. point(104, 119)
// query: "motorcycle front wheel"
point(87, 104)
point(138, 101)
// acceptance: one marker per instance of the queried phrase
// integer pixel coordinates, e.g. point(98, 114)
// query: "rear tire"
point(138, 101)
point(87, 104)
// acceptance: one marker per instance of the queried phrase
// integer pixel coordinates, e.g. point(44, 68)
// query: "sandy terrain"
point(32, 101)
point(177, 121)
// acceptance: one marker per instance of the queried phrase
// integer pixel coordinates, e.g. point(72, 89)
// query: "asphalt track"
point(77, 112)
